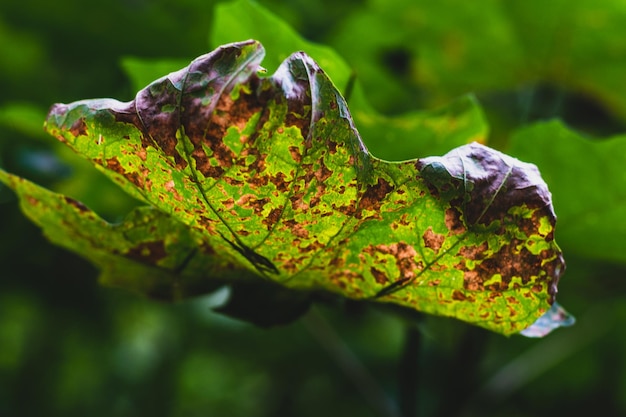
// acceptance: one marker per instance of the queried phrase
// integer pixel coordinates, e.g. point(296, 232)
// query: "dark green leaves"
point(266, 179)
point(498, 47)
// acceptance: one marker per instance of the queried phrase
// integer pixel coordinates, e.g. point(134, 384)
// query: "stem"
point(463, 372)
point(350, 365)
point(408, 372)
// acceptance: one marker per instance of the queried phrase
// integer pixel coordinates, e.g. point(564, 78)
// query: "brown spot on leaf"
point(299, 111)
point(473, 281)
point(272, 217)
point(79, 128)
point(297, 229)
point(113, 164)
point(280, 181)
point(322, 173)
point(258, 203)
point(345, 276)
point(313, 246)
point(148, 252)
point(474, 252)
point(373, 197)
point(459, 296)
point(229, 203)
point(404, 255)
point(379, 276)
point(348, 209)
point(295, 154)
point(297, 202)
point(77, 204)
point(494, 295)
point(433, 240)
point(245, 199)
point(332, 146)
point(337, 262)
point(453, 221)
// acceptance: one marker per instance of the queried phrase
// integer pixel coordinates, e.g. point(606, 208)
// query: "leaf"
point(587, 180)
point(497, 47)
point(23, 117)
point(423, 133)
point(400, 137)
point(148, 253)
point(421, 52)
point(144, 71)
point(553, 319)
point(151, 254)
point(272, 175)
point(576, 46)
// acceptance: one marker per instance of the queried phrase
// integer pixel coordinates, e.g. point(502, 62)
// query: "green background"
point(69, 347)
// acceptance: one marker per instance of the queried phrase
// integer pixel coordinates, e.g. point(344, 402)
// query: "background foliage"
point(71, 348)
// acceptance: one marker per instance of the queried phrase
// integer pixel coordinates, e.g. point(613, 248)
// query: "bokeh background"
point(69, 347)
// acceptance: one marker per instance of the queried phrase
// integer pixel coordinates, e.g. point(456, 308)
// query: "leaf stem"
point(463, 372)
point(408, 372)
point(350, 365)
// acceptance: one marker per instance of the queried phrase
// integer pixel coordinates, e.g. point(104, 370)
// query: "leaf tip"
point(554, 318)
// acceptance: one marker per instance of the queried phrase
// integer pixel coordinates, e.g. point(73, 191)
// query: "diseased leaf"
point(270, 173)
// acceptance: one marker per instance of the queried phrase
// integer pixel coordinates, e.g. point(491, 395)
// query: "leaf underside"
point(264, 179)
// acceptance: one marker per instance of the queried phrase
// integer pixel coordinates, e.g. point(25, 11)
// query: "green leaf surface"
point(415, 54)
point(270, 173)
point(422, 133)
point(590, 196)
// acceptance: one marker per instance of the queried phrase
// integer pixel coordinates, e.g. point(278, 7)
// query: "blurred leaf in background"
point(524, 59)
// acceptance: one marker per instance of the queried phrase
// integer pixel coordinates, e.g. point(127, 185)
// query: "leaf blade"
point(272, 173)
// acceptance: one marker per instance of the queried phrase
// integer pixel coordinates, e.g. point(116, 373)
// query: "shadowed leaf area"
point(263, 183)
